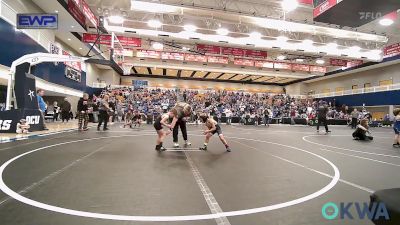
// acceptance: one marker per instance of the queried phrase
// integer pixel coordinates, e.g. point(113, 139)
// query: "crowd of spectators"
point(153, 101)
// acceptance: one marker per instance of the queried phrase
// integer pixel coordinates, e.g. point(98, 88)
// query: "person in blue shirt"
point(396, 127)
point(42, 105)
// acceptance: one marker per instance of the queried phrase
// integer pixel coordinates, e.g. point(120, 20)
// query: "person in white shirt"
point(22, 127)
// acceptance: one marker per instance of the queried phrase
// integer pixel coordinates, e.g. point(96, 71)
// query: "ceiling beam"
point(220, 75)
point(205, 76)
point(232, 76)
point(246, 77)
point(149, 70)
point(193, 73)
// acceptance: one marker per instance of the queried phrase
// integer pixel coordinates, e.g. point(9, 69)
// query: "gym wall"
point(370, 77)
point(191, 84)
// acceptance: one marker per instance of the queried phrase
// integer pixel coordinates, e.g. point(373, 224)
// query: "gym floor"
point(280, 175)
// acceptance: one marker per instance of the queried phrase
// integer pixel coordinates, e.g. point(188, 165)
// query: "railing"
point(99, 85)
point(359, 91)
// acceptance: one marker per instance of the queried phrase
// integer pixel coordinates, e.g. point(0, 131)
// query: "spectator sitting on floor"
point(22, 127)
point(362, 131)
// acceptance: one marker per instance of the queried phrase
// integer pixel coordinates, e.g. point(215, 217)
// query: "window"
point(367, 85)
point(339, 89)
point(326, 90)
point(354, 86)
point(385, 82)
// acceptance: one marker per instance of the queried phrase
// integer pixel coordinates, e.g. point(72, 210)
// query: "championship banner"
point(211, 49)
point(148, 54)
point(301, 67)
point(106, 40)
point(255, 53)
point(79, 8)
point(75, 11)
point(264, 64)
point(285, 66)
point(392, 50)
point(195, 58)
point(173, 55)
point(338, 62)
point(243, 62)
point(218, 59)
point(354, 63)
point(233, 51)
point(318, 69)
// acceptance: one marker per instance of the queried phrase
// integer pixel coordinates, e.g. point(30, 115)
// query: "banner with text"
point(128, 42)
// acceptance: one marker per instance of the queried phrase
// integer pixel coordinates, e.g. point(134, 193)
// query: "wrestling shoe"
point(176, 145)
point(187, 143)
point(228, 149)
point(162, 149)
point(204, 148)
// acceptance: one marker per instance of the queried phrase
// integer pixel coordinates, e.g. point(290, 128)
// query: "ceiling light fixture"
point(308, 42)
point(289, 5)
point(255, 35)
point(388, 19)
point(222, 31)
point(282, 39)
point(116, 19)
point(153, 7)
point(355, 48)
point(386, 22)
point(376, 51)
point(158, 46)
point(281, 57)
point(299, 60)
point(69, 39)
point(320, 61)
point(56, 11)
point(332, 45)
point(154, 23)
point(190, 27)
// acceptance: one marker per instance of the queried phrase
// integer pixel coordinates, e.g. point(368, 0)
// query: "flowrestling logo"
point(352, 210)
point(37, 21)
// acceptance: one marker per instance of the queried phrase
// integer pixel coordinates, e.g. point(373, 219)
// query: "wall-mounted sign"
point(148, 54)
point(218, 59)
point(392, 50)
point(264, 64)
point(338, 62)
point(243, 62)
point(195, 58)
point(37, 21)
point(129, 42)
point(173, 55)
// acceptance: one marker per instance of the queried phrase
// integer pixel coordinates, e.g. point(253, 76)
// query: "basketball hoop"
point(126, 67)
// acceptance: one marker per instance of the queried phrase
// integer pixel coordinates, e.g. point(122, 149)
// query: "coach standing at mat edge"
point(322, 111)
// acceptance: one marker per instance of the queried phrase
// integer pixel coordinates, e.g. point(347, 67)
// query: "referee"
point(183, 110)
